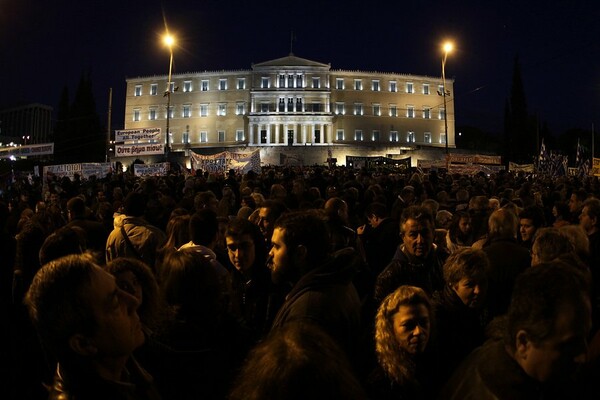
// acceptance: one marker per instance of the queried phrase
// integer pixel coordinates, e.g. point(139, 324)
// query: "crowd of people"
point(302, 282)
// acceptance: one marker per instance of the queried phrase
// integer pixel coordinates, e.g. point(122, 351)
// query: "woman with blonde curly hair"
point(402, 331)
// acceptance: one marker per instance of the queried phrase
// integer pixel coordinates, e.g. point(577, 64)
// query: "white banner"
point(126, 150)
point(159, 169)
point(137, 134)
point(27, 150)
point(84, 170)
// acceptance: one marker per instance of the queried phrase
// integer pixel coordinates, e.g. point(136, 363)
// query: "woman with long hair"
point(402, 331)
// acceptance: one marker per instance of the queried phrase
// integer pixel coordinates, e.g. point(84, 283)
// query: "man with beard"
point(418, 261)
point(322, 291)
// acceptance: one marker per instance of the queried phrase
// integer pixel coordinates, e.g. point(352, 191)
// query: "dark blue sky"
point(45, 45)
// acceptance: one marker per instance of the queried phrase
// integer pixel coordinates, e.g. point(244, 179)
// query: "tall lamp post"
point(169, 41)
point(447, 49)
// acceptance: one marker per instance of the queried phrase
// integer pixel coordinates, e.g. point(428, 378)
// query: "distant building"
point(295, 104)
point(26, 124)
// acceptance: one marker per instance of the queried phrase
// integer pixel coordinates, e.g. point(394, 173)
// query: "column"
point(303, 133)
point(330, 129)
point(293, 129)
point(277, 132)
point(312, 133)
point(269, 133)
point(268, 137)
point(250, 134)
point(322, 130)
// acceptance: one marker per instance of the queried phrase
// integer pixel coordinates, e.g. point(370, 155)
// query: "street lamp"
point(169, 41)
point(447, 49)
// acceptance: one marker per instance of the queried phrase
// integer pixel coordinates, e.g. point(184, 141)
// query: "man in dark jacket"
point(507, 259)
point(545, 341)
point(322, 291)
point(95, 233)
point(417, 262)
point(91, 328)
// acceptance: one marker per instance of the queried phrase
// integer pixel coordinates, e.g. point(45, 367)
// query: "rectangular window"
point(339, 83)
point(442, 138)
point(136, 114)
point(375, 136)
point(185, 137)
point(240, 108)
point(357, 84)
point(281, 81)
point(264, 82)
point(203, 136)
point(187, 86)
point(358, 135)
point(264, 107)
point(290, 83)
point(299, 82)
point(393, 110)
point(290, 105)
point(440, 90)
point(375, 86)
point(222, 109)
point(427, 137)
point(154, 89)
point(138, 90)
point(171, 112)
point(358, 109)
point(393, 136)
point(171, 87)
point(241, 83)
point(152, 114)
point(442, 113)
point(339, 108)
point(316, 82)
point(187, 111)
point(221, 135)
point(410, 111)
point(410, 87)
point(239, 135)
point(427, 112)
point(410, 137)
point(204, 86)
point(393, 86)
point(281, 107)
point(204, 110)
point(377, 110)
point(339, 134)
point(298, 104)
point(222, 84)
point(426, 88)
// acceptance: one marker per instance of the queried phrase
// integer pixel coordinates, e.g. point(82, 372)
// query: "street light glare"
point(169, 40)
point(448, 46)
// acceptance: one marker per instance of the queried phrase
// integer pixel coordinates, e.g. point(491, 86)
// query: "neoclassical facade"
point(291, 102)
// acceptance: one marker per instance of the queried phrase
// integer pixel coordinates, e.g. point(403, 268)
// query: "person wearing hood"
point(322, 291)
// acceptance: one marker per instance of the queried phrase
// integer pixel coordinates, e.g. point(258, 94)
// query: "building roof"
point(290, 61)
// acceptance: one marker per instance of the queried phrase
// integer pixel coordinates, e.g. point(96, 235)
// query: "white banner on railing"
point(127, 150)
point(137, 134)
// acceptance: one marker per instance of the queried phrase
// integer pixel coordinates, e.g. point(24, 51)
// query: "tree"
point(79, 135)
point(519, 127)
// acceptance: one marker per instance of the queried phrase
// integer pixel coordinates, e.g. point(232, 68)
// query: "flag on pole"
point(582, 163)
point(543, 159)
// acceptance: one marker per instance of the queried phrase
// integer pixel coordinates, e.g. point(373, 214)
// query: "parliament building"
point(299, 108)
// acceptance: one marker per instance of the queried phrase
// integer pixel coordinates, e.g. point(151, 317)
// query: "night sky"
point(45, 45)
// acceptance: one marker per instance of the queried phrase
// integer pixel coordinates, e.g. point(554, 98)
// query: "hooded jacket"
point(327, 297)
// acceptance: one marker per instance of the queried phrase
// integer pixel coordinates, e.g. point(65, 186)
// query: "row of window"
point(340, 109)
point(285, 81)
point(240, 109)
point(394, 136)
point(186, 111)
point(359, 136)
point(186, 137)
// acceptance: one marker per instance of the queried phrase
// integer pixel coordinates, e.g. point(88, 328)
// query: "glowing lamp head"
point(448, 46)
point(169, 40)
